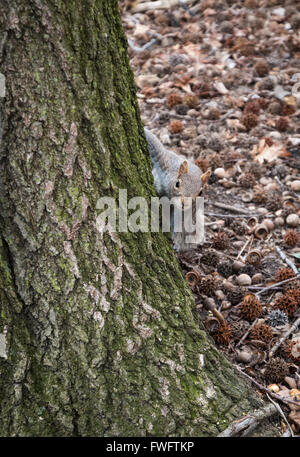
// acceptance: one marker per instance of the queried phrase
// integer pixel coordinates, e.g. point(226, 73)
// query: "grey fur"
point(166, 173)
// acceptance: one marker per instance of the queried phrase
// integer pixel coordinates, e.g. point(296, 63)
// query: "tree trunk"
point(98, 333)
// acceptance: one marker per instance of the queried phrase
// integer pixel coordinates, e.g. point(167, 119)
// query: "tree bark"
point(98, 333)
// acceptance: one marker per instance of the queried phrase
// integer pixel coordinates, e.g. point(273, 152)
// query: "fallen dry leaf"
point(262, 152)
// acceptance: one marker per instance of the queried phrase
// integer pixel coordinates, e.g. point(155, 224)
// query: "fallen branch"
point(247, 332)
point(263, 388)
point(282, 414)
point(143, 48)
point(246, 424)
point(250, 239)
point(231, 208)
point(277, 284)
point(284, 337)
point(286, 260)
point(208, 213)
point(159, 4)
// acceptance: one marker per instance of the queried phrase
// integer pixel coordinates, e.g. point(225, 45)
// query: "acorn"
point(244, 280)
point(274, 107)
point(254, 257)
point(293, 220)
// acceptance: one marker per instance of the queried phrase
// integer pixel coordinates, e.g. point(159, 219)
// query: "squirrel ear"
point(184, 168)
point(205, 177)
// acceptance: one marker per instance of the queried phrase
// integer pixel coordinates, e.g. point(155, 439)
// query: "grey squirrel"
point(175, 176)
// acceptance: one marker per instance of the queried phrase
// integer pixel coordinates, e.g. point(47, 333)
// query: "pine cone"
point(262, 332)
point(223, 334)
point(276, 317)
point(274, 202)
point(295, 294)
point(287, 304)
point(291, 238)
point(247, 180)
point(250, 120)
point(262, 67)
point(239, 329)
point(252, 107)
point(284, 273)
point(236, 295)
point(210, 257)
point(248, 270)
point(207, 285)
point(221, 241)
point(238, 228)
point(173, 99)
point(282, 124)
point(225, 269)
point(251, 307)
point(259, 195)
point(276, 370)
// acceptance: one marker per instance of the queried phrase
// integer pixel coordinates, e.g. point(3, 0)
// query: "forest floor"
point(220, 82)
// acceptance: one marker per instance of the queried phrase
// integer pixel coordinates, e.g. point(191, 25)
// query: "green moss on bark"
point(102, 337)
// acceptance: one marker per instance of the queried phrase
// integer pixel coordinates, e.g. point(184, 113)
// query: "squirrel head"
point(189, 180)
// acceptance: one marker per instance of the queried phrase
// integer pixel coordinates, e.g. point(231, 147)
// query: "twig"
point(281, 413)
point(261, 387)
point(231, 208)
point(159, 4)
point(247, 332)
point(284, 337)
point(286, 260)
point(143, 48)
point(208, 213)
point(277, 284)
point(247, 423)
point(244, 247)
point(211, 307)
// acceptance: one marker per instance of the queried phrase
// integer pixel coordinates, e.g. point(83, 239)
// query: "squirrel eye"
point(200, 193)
point(177, 184)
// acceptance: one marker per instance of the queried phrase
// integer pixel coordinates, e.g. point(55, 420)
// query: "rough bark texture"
point(98, 333)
